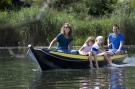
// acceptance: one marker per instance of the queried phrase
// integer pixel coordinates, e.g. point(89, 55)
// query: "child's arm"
point(81, 51)
point(108, 42)
point(101, 49)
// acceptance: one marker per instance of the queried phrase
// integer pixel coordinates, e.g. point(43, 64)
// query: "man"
point(116, 41)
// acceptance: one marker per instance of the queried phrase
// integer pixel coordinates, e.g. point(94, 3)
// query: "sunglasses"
point(115, 29)
point(66, 27)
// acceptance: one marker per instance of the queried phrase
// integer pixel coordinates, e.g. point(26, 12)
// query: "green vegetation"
point(81, 15)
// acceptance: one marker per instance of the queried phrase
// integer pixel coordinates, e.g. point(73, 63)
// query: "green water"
point(18, 72)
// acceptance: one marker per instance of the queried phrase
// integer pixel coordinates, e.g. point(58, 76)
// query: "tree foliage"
point(13, 4)
point(5, 3)
point(100, 7)
point(86, 7)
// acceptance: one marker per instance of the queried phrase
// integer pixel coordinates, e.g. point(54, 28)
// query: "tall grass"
point(15, 17)
point(43, 31)
point(8, 20)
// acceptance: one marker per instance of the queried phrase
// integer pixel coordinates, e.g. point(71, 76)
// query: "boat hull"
point(55, 60)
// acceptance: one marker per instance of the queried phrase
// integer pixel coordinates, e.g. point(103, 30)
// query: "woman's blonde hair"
point(90, 38)
point(69, 26)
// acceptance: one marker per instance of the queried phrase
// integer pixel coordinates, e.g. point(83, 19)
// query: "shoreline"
point(20, 47)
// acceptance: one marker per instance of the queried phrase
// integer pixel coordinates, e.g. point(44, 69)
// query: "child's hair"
point(99, 37)
point(91, 38)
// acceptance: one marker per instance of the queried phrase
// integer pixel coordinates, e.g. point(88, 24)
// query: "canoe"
point(48, 59)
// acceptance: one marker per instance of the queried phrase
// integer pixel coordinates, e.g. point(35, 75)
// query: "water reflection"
point(17, 52)
point(117, 80)
point(15, 73)
point(110, 78)
point(20, 73)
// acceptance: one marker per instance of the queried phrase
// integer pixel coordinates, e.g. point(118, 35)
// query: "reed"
point(43, 31)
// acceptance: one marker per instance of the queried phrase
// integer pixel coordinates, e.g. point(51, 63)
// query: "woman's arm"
point(52, 42)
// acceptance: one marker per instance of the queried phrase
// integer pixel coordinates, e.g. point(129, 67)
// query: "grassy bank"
point(43, 31)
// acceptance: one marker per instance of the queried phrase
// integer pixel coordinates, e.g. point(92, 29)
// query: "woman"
point(64, 39)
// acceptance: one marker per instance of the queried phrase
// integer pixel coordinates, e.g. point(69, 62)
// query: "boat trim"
point(100, 58)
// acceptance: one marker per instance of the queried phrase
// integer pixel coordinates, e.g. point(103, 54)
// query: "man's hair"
point(115, 25)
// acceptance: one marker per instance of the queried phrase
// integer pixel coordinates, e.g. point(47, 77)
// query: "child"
point(98, 50)
point(85, 50)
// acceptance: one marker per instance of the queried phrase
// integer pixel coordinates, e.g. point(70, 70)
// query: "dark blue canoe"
point(48, 59)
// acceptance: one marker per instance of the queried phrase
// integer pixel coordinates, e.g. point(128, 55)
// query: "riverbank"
point(131, 47)
point(26, 30)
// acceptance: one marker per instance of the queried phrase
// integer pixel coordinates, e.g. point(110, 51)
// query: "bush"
point(85, 8)
point(43, 31)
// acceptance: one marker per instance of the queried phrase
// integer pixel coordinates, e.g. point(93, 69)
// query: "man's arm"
point(109, 43)
point(120, 47)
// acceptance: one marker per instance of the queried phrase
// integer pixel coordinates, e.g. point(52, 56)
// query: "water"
point(18, 72)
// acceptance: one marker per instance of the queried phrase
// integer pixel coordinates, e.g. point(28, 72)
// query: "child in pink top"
point(86, 50)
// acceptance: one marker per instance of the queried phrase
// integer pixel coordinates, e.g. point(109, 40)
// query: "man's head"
point(115, 29)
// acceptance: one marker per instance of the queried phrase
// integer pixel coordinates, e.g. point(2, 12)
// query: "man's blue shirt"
point(115, 40)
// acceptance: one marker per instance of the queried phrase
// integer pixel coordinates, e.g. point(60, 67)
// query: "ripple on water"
point(20, 73)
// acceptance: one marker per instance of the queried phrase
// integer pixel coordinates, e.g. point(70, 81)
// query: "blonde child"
point(98, 50)
point(85, 50)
